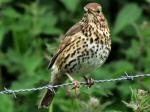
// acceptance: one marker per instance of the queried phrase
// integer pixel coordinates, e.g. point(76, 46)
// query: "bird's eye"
point(98, 11)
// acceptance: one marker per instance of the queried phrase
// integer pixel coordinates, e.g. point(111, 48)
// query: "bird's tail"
point(47, 99)
point(49, 95)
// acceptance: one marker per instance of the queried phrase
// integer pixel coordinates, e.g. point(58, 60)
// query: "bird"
point(84, 48)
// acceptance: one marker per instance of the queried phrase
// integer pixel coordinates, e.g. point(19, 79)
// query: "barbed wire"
point(50, 87)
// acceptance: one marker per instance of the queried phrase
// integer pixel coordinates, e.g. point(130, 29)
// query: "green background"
point(30, 33)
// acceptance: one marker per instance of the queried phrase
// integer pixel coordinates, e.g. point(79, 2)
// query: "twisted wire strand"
point(50, 87)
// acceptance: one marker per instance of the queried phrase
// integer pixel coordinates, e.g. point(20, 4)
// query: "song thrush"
point(84, 48)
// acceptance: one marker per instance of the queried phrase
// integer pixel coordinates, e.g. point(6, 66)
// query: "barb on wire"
point(50, 87)
point(129, 77)
point(10, 91)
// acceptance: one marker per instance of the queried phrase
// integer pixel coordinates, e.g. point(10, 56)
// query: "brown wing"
point(67, 39)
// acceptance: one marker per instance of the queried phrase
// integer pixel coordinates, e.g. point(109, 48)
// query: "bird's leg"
point(89, 81)
point(76, 84)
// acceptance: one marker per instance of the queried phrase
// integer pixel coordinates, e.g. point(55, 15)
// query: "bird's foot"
point(76, 84)
point(89, 81)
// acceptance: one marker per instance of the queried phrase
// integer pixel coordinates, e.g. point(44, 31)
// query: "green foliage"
point(128, 15)
point(29, 36)
point(6, 101)
point(71, 4)
point(140, 101)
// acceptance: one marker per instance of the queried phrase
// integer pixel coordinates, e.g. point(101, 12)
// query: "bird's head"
point(93, 10)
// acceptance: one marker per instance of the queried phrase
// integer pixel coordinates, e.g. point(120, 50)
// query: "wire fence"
point(50, 87)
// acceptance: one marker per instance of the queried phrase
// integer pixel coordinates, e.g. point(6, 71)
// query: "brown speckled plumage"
point(84, 47)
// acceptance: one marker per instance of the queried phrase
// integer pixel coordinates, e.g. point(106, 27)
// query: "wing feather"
point(67, 40)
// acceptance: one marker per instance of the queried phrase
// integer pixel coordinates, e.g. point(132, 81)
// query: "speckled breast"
point(87, 53)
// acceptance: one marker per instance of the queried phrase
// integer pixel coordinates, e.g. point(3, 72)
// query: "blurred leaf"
point(9, 58)
point(26, 82)
point(100, 73)
point(144, 30)
point(31, 63)
point(70, 4)
point(124, 89)
point(4, 1)
point(117, 38)
point(10, 13)
point(120, 67)
point(145, 82)
point(130, 31)
point(2, 32)
point(113, 111)
point(148, 1)
point(129, 14)
point(6, 104)
point(48, 22)
point(134, 48)
point(146, 61)
point(23, 24)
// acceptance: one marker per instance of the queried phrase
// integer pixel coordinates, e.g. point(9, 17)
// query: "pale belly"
point(87, 63)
